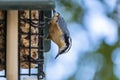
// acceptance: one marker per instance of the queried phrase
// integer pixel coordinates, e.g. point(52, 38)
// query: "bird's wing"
point(62, 24)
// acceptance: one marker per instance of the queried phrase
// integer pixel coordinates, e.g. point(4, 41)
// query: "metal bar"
point(26, 4)
point(41, 74)
point(28, 74)
point(29, 43)
point(3, 29)
point(3, 76)
point(18, 46)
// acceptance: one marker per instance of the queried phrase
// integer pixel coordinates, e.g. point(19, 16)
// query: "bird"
point(59, 33)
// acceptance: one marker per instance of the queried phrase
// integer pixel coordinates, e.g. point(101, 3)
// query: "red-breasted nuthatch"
point(58, 33)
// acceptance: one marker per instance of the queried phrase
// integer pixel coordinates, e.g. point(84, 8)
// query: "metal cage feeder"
point(24, 32)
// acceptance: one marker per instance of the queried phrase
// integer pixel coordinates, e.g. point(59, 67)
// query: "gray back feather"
point(63, 25)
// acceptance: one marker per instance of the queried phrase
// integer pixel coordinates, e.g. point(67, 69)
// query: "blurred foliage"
point(77, 11)
point(106, 72)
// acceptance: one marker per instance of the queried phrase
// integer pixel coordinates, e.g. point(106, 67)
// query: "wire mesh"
point(31, 25)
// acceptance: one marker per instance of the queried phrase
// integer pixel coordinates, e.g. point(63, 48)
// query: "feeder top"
point(27, 4)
